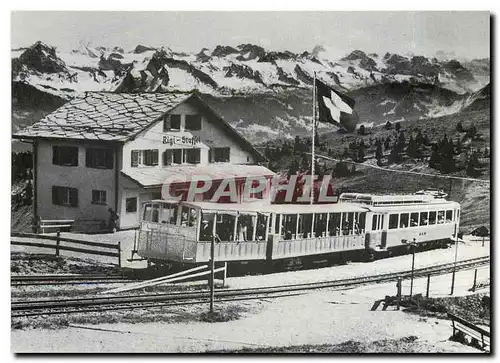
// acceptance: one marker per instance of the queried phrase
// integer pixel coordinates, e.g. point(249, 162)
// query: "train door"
point(378, 236)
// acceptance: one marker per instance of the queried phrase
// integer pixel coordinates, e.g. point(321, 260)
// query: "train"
point(359, 226)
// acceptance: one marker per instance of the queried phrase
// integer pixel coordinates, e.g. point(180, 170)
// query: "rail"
point(115, 248)
point(462, 326)
point(117, 302)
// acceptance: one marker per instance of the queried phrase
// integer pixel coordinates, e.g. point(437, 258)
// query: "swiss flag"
point(335, 108)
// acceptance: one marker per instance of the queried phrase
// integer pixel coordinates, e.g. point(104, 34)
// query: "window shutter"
point(210, 156)
point(134, 159)
point(196, 156)
point(73, 197)
point(88, 158)
point(109, 158)
point(154, 157)
point(55, 195)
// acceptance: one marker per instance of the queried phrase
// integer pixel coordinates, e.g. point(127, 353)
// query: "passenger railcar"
point(359, 225)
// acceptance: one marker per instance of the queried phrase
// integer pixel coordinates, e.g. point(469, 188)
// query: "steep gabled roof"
point(104, 116)
point(119, 117)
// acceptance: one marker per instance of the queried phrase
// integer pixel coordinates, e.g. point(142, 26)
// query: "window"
point(413, 219)
point(65, 196)
point(289, 226)
point(277, 224)
point(449, 216)
point(177, 156)
point(131, 205)
point(403, 220)
point(320, 224)
point(172, 123)
point(99, 158)
point(334, 224)
point(193, 122)
point(393, 221)
point(192, 156)
point(441, 217)
point(375, 222)
point(98, 197)
point(65, 155)
point(432, 218)
point(167, 157)
point(150, 157)
point(219, 154)
point(305, 224)
point(424, 218)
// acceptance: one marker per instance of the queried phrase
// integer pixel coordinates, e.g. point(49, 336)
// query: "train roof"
point(391, 200)
point(264, 207)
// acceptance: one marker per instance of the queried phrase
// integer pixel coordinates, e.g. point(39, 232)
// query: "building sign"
point(181, 140)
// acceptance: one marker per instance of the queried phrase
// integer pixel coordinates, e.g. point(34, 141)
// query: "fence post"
point(475, 281)
point(428, 284)
point(225, 275)
point(119, 254)
point(58, 241)
point(398, 293)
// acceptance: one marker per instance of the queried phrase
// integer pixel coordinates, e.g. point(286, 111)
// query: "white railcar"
point(360, 225)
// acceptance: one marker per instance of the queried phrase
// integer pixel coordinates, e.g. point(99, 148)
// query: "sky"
point(467, 34)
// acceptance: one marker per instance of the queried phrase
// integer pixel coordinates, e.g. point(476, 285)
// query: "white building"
point(115, 150)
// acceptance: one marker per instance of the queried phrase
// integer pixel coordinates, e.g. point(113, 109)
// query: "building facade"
point(111, 150)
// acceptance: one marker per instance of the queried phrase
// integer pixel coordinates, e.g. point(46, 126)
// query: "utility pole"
point(212, 274)
point(412, 267)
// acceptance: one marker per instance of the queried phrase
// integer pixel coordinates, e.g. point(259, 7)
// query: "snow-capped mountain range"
point(255, 89)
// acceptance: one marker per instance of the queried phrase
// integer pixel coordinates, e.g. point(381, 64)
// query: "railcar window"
point(290, 225)
point(360, 225)
point(147, 213)
point(334, 224)
point(224, 227)
point(347, 223)
point(424, 218)
point(449, 216)
point(381, 222)
point(305, 224)
point(403, 220)
point(413, 219)
point(206, 226)
point(277, 224)
point(441, 217)
point(432, 218)
point(393, 221)
point(168, 214)
point(375, 222)
point(188, 217)
point(244, 229)
point(260, 232)
point(320, 224)
point(155, 213)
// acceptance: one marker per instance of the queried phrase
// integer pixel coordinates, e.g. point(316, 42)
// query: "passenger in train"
point(413, 222)
point(192, 218)
point(206, 230)
point(242, 230)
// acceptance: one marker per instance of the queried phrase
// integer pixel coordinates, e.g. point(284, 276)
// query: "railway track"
point(37, 280)
point(103, 303)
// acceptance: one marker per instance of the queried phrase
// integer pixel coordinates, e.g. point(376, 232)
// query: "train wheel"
point(370, 256)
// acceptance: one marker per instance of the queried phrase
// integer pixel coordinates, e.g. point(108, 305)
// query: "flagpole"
point(313, 141)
